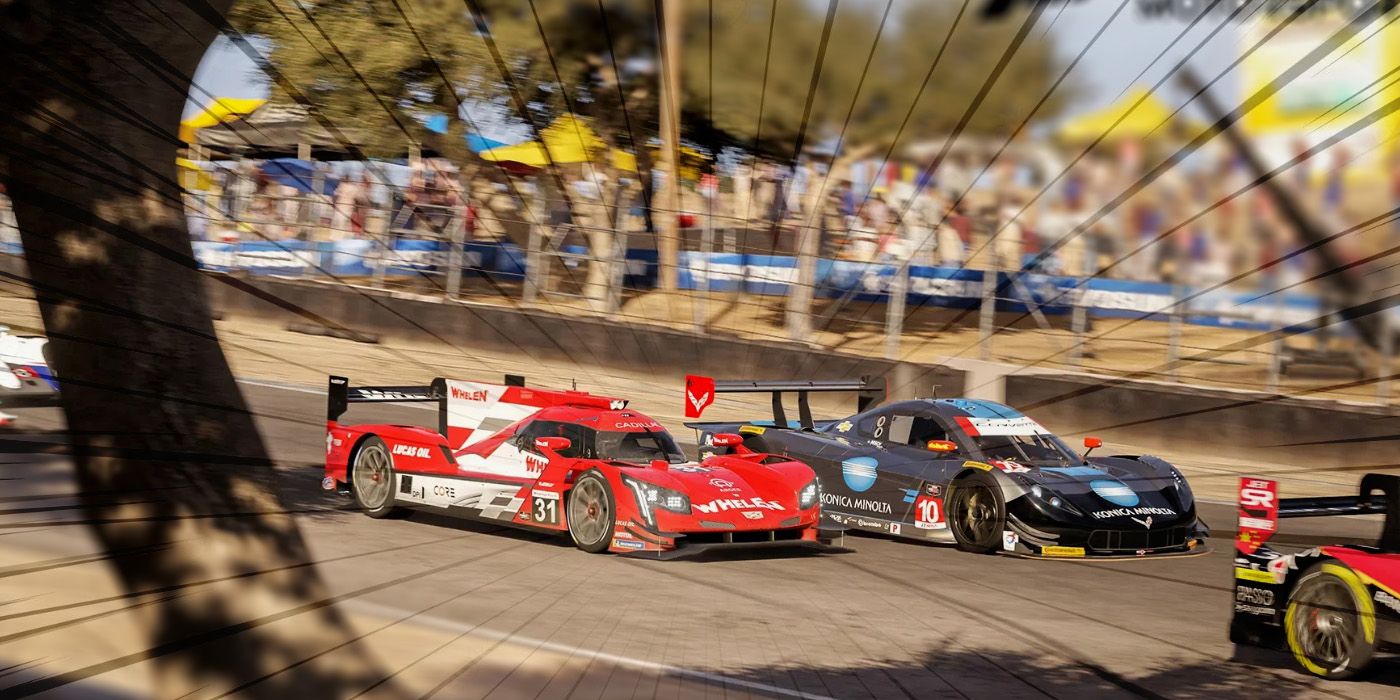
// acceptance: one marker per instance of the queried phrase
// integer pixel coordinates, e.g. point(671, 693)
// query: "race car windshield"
point(1038, 450)
point(641, 447)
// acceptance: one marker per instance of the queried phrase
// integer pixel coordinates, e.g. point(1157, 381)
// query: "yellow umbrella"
point(1141, 115)
point(223, 109)
point(567, 140)
point(193, 177)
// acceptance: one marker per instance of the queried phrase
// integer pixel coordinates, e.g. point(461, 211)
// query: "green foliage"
point(725, 77)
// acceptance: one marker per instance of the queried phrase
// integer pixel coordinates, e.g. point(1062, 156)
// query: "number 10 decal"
point(928, 513)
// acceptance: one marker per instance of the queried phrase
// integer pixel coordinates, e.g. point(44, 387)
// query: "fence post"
point(987, 317)
point(894, 310)
point(1174, 324)
point(456, 231)
point(1276, 356)
point(1385, 353)
point(533, 259)
point(1077, 318)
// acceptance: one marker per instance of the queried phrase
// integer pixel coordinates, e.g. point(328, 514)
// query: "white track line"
point(641, 664)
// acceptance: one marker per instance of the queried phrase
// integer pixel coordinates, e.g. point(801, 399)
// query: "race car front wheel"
point(372, 479)
point(977, 513)
point(1331, 623)
point(591, 509)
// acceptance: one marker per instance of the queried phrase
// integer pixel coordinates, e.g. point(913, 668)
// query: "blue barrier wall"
point(773, 274)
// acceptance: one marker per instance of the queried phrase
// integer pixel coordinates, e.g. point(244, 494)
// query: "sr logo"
point(1251, 496)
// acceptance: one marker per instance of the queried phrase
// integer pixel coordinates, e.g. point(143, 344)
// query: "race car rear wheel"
point(591, 513)
point(977, 514)
point(1331, 623)
point(372, 479)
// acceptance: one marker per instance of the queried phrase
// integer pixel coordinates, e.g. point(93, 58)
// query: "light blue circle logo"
point(1114, 492)
point(859, 473)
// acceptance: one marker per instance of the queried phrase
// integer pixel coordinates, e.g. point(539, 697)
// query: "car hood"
point(1114, 495)
point(718, 490)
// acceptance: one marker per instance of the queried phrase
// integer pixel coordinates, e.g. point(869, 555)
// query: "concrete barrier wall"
point(552, 337)
point(1233, 425)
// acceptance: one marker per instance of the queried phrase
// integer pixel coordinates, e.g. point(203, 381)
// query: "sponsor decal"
point(933, 490)
point(699, 393)
point(1255, 575)
point(1011, 467)
point(617, 404)
point(461, 394)
point(753, 514)
point(843, 427)
point(1258, 513)
point(535, 463)
point(1254, 601)
point(444, 490)
point(1145, 522)
point(330, 440)
point(928, 513)
point(328, 483)
point(847, 503)
point(1009, 540)
point(1055, 551)
point(1388, 600)
point(721, 483)
point(628, 544)
point(894, 528)
point(1001, 426)
point(978, 465)
point(689, 469)
point(376, 395)
point(1130, 512)
point(22, 372)
point(414, 451)
point(859, 473)
point(720, 505)
point(752, 429)
point(1115, 492)
point(1254, 596)
point(638, 426)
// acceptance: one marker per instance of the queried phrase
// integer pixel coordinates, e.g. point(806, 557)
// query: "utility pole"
point(668, 236)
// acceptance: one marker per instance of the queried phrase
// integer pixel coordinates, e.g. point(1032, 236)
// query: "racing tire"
point(591, 512)
point(1331, 623)
point(372, 479)
point(977, 513)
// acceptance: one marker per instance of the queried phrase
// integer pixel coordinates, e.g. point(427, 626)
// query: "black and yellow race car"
point(969, 472)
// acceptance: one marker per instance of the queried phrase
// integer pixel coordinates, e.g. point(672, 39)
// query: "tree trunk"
point(94, 96)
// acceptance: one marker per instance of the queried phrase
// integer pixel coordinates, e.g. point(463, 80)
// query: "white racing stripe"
point(627, 661)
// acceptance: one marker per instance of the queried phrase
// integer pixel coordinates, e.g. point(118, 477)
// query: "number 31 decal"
point(544, 508)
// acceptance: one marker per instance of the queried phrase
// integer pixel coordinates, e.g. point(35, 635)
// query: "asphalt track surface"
point(525, 616)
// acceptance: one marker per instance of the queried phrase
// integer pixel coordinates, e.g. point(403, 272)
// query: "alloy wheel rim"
point(372, 477)
point(588, 512)
point(1326, 625)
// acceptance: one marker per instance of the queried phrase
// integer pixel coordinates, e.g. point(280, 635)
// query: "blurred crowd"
point(1183, 227)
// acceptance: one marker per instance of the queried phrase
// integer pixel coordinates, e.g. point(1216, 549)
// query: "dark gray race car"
point(975, 473)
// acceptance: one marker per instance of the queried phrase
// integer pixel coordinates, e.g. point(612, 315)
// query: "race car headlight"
point(1183, 490)
point(1050, 498)
point(809, 495)
point(650, 497)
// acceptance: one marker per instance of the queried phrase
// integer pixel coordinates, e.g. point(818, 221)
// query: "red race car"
point(566, 461)
point(1333, 607)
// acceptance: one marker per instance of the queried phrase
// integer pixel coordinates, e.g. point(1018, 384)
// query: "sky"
point(1125, 49)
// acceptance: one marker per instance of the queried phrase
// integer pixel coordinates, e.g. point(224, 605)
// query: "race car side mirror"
point(552, 443)
point(726, 439)
point(1091, 442)
point(941, 446)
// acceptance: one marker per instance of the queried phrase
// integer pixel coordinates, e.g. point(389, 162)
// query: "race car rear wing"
point(339, 396)
point(700, 393)
point(1260, 508)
